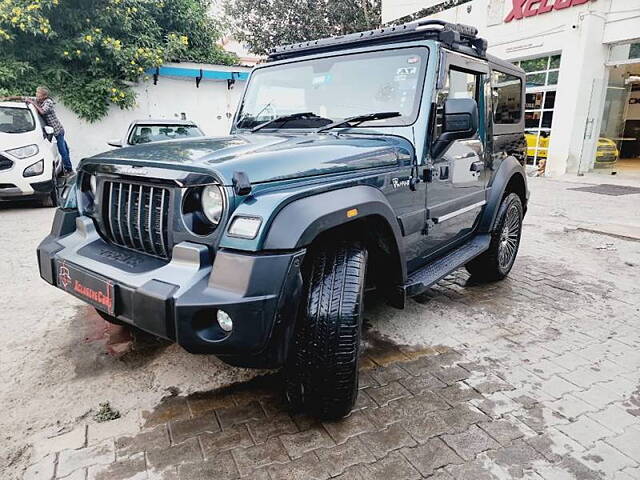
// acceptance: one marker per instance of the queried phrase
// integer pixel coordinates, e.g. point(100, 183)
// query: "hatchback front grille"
point(5, 163)
point(135, 216)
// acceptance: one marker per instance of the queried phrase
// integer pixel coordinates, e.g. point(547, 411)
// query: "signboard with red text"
point(530, 8)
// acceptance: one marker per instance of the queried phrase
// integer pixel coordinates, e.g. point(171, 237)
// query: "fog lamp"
point(224, 320)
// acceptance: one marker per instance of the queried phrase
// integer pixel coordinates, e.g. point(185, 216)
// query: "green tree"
point(90, 52)
point(269, 23)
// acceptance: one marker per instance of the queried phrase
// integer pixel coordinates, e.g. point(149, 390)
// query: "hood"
point(9, 141)
point(266, 158)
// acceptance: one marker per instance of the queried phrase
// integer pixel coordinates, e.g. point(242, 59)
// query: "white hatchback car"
point(29, 160)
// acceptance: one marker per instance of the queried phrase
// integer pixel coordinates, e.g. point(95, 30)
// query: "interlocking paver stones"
point(154, 438)
point(382, 442)
point(598, 396)
point(42, 469)
point(253, 458)
point(297, 444)
point(190, 427)
point(615, 418)
point(451, 374)
point(416, 407)
point(72, 440)
point(502, 431)
point(240, 414)
point(556, 387)
point(388, 374)
point(200, 403)
point(161, 458)
point(431, 455)
point(417, 385)
point(604, 458)
point(71, 460)
point(263, 430)
point(348, 427)
point(585, 431)
point(388, 393)
point(221, 467)
point(570, 406)
point(628, 443)
point(554, 445)
point(393, 466)
point(470, 442)
point(307, 467)
point(131, 468)
point(429, 426)
point(458, 392)
point(170, 408)
point(234, 437)
point(343, 456)
point(515, 458)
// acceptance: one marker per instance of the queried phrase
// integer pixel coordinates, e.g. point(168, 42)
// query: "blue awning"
point(198, 73)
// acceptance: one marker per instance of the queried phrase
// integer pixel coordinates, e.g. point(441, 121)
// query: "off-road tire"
point(321, 375)
point(491, 265)
point(51, 200)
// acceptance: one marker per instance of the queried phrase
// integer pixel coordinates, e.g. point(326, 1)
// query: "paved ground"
point(534, 377)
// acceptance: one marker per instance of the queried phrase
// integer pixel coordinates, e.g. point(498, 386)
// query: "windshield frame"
point(27, 109)
point(423, 50)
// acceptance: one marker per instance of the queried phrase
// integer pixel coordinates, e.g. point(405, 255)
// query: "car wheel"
point(321, 374)
point(496, 263)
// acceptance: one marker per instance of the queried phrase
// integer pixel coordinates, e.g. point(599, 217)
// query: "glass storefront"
point(542, 79)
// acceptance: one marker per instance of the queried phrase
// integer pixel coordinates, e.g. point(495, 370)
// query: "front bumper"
point(179, 299)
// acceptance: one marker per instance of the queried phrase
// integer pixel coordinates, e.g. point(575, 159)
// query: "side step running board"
point(423, 278)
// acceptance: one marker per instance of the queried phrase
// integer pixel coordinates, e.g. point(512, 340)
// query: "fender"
point(508, 168)
point(298, 223)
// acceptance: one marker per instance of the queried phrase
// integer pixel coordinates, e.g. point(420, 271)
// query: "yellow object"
point(352, 213)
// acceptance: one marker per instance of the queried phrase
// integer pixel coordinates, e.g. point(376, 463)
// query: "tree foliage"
point(89, 52)
point(269, 23)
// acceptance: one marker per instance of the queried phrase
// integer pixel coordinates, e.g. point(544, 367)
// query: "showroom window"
point(541, 82)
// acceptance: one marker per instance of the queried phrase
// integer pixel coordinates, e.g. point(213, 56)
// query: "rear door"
point(456, 193)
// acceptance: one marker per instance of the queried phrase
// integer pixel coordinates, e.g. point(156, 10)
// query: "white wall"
point(211, 106)
point(582, 34)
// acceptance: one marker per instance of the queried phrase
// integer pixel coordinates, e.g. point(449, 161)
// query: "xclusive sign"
point(531, 8)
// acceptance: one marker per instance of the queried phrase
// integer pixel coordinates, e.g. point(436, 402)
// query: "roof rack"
point(456, 36)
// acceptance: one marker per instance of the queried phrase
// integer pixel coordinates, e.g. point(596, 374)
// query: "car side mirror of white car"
point(48, 132)
point(115, 143)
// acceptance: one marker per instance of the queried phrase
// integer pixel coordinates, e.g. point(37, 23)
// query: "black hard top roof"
point(456, 36)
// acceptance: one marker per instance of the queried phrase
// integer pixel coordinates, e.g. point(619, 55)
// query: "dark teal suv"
point(384, 159)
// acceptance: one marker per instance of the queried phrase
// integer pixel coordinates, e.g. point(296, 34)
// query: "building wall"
point(582, 35)
point(211, 106)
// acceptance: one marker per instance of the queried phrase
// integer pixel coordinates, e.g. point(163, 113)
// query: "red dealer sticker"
point(91, 288)
point(531, 8)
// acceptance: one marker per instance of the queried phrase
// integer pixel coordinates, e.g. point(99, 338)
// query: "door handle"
point(477, 166)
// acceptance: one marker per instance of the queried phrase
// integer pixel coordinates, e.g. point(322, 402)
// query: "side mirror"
point(48, 132)
point(115, 143)
point(460, 121)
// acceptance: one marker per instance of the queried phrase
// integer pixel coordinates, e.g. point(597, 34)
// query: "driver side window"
point(458, 84)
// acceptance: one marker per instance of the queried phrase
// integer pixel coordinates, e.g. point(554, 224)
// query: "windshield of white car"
point(335, 88)
point(16, 120)
point(156, 133)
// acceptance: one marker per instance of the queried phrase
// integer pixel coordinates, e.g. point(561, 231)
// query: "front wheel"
point(321, 375)
point(496, 263)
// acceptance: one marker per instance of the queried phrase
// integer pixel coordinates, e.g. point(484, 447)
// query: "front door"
point(458, 176)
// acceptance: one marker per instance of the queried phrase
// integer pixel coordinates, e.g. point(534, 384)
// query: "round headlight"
point(212, 203)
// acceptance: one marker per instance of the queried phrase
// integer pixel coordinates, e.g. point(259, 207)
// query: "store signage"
point(531, 8)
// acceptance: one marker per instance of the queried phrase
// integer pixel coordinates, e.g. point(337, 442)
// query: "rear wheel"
point(321, 374)
point(497, 261)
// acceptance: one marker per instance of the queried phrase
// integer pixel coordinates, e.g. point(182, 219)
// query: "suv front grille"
point(5, 163)
point(135, 216)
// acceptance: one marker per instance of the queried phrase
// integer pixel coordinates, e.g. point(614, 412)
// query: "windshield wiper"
point(286, 118)
point(358, 119)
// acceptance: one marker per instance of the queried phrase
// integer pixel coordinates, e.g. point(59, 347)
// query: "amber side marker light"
point(352, 213)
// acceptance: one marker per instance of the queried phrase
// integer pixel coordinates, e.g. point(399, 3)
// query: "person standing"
point(45, 106)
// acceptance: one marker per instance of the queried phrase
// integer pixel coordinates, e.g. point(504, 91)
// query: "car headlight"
point(24, 152)
point(34, 169)
point(245, 227)
point(212, 203)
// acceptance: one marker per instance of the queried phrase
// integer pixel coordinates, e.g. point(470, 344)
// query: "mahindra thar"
point(381, 160)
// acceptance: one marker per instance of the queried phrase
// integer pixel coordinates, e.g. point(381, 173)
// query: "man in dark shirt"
point(46, 108)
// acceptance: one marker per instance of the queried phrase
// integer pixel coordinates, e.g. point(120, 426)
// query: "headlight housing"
point(212, 203)
point(34, 169)
point(24, 152)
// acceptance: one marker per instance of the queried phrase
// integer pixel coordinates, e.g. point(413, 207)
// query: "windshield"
point(16, 120)
point(335, 88)
point(157, 133)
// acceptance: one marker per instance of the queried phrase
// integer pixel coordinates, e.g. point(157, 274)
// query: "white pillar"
point(581, 78)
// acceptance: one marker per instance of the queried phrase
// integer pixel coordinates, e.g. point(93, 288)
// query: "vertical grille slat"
point(136, 217)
